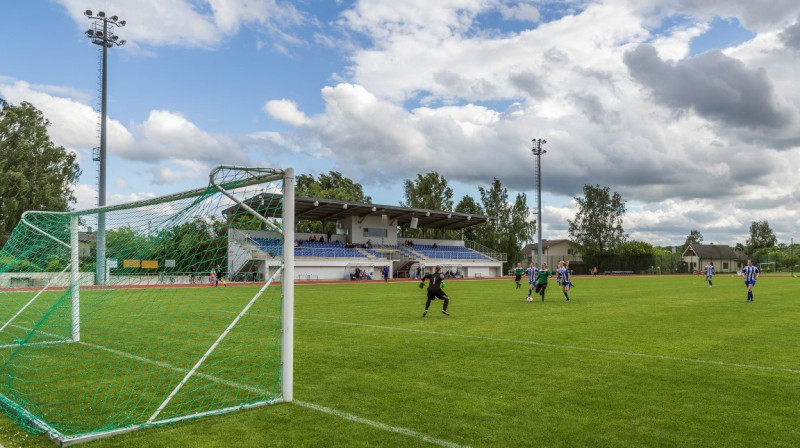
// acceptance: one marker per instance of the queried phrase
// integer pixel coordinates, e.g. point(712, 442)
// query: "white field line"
point(395, 429)
point(354, 418)
point(550, 345)
point(560, 346)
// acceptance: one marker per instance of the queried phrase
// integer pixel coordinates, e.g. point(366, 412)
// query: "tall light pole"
point(102, 33)
point(538, 151)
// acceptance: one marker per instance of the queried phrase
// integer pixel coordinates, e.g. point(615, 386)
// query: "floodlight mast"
point(538, 151)
point(102, 33)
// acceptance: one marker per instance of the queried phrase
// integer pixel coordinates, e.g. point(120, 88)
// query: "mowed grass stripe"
point(557, 346)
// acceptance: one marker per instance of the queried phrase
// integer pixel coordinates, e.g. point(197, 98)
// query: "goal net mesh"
point(161, 331)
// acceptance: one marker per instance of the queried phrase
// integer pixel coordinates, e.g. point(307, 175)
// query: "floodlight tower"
point(538, 151)
point(102, 33)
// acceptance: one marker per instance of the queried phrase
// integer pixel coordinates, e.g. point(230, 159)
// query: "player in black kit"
point(435, 290)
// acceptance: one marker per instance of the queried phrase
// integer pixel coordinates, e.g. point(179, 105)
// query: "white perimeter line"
point(395, 429)
point(559, 346)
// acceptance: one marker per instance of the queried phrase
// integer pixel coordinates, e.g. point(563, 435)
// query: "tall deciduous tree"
point(695, 237)
point(429, 192)
point(761, 236)
point(35, 174)
point(330, 186)
point(509, 227)
point(597, 226)
point(470, 206)
point(327, 186)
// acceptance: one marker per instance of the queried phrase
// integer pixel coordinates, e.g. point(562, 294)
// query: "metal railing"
point(499, 256)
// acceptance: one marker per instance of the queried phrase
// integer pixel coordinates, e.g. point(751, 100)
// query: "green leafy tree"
point(427, 192)
point(597, 227)
point(470, 206)
point(638, 255)
point(510, 227)
point(695, 237)
point(327, 186)
point(761, 236)
point(35, 174)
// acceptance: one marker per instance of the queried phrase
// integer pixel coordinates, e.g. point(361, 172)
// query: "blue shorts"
point(708, 276)
point(749, 282)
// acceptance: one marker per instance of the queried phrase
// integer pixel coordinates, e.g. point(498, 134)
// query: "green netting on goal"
point(184, 318)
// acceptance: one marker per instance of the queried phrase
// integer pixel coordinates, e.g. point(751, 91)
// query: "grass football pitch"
point(629, 361)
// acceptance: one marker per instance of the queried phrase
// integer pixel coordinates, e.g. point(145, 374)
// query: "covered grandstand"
point(367, 238)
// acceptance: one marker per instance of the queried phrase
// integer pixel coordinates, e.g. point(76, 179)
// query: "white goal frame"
point(285, 274)
point(764, 267)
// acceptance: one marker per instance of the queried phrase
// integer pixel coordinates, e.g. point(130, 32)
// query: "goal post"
point(91, 356)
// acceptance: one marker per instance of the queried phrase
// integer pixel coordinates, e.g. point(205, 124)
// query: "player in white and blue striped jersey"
point(709, 272)
point(532, 272)
point(750, 274)
point(563, 272)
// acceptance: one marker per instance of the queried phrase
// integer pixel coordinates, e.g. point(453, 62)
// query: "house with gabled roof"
point(725, 259)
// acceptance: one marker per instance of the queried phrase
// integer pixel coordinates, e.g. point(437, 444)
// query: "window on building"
point(725, 266)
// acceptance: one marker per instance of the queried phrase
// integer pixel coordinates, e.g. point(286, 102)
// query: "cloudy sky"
point(687, 108)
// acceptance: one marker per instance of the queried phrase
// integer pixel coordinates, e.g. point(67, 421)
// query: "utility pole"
point(538, 151)
point(102, 33)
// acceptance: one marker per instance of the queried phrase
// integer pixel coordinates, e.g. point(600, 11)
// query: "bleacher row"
point(337, 249)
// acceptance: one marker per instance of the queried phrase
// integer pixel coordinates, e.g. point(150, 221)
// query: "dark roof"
point(331, 209)
point(711, 251)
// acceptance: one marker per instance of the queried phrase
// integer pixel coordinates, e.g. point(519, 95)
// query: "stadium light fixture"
point(537, 152)
point(102, 34)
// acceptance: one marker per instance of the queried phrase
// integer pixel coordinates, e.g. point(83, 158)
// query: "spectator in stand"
point(191, 275)
point(435, 246)
point(322, 239)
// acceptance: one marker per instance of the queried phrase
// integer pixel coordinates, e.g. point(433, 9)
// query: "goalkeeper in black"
point(435, 290)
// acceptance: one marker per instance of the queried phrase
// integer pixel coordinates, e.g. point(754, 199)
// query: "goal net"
point(124, 317)
point(767, 267)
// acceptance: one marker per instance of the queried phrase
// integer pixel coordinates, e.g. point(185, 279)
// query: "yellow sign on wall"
point(149, 264)
point(131, 263)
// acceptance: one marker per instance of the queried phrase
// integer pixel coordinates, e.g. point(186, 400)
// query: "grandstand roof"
point(332, 209)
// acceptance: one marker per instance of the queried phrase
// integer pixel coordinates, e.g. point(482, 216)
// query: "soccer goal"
point(150, 332)
point(766, 267)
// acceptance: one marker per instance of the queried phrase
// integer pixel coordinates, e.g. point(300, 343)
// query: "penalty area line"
point(395, 429)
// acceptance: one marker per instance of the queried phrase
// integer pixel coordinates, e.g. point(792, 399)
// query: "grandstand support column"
point(538, 151)
point(288, 286)
point(74, 277)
